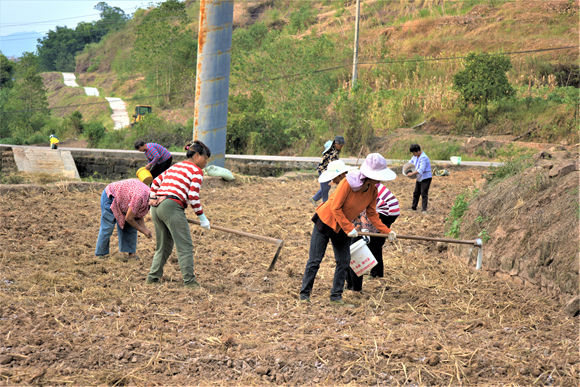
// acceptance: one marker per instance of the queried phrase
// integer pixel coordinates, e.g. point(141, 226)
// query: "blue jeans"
point(318, 243)
point(322, 192)
point(127, 235)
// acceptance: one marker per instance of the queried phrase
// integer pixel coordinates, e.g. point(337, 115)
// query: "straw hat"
point(375, 167)
point(409, 168)
point(335, 168)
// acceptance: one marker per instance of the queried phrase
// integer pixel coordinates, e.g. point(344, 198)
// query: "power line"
point(301, 75)
point(51, 21)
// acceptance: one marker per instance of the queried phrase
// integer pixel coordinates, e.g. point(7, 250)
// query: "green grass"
point(306, 102)
point(511, 166)
point(460, 206)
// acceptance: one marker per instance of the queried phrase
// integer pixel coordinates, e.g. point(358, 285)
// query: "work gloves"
point(204, 222)
point(352, 234)
point(392, 236)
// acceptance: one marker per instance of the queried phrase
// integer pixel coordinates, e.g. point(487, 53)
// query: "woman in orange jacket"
point(333, 221)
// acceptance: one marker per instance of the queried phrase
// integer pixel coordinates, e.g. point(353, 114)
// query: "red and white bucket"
point(361, 258)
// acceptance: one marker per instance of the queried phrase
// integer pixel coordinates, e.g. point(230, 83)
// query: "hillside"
point(291, 63)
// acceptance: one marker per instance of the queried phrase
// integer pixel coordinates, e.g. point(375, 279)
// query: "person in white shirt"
point(423, 174)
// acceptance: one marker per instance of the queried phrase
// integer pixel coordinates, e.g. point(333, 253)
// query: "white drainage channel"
point(119, 116)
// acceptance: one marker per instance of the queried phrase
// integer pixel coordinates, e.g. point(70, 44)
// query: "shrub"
point(302, 19)
point(94, 132)
point(484, 80)
point(353, 119)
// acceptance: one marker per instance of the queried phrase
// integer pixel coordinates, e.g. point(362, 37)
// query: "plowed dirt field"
point(67, 318)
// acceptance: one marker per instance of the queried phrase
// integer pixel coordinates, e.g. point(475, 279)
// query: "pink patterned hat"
point(375, 167)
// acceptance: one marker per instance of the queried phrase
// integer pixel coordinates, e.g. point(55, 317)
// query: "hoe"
point(278, 242)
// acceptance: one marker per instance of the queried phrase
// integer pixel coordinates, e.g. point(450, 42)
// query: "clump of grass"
point(459, 208)
point(509, 167)
point(11, 178)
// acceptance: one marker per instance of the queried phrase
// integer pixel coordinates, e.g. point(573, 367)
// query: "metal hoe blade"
point(278, 249)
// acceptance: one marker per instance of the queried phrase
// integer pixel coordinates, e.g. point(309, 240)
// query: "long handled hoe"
point(278, 242)
point(475, 242)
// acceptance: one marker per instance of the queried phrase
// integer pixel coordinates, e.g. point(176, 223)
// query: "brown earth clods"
point(69, 318)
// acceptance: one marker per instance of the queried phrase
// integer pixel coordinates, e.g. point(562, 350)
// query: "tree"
point(111, 17)
point(75, 120)
point(56, 51)
point(24, 107)
point(484, 80)
point(7, 69)
point(164, 51)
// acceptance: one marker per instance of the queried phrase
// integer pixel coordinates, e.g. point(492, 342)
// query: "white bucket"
point(456, 160)
point(361, 258)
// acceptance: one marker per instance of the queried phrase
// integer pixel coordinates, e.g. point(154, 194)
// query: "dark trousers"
point(354, 282)
point(158, 169)
point(421, 189)
point(318, 243)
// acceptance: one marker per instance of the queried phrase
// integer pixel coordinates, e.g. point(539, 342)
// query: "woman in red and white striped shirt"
point(171, 193)
point(388, 210)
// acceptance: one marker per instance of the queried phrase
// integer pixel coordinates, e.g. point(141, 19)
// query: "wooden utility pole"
point(355, 59)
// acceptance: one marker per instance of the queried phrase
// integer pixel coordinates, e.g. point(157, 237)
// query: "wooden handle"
point(418, 238)
point(242, 233)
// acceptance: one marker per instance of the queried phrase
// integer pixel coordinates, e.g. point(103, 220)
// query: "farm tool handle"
point(278, 242)
point(419, 238)
point(475, 242)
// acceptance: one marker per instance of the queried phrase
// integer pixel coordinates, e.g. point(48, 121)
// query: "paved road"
point(350, 161)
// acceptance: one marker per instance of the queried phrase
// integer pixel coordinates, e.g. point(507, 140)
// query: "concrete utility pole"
point(212, 80)
point(355, 59)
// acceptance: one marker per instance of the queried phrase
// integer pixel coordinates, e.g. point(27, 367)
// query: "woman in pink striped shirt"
point(124, 203)
point(171, 193)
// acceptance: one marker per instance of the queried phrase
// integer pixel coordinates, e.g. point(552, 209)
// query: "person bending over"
point(160, 159)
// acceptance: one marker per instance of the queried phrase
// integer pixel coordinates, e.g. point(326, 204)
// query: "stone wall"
point(118, 165)
point(111, 165)
point(7, 163)
point(267, 168)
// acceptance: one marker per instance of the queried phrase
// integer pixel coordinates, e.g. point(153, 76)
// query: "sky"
point(27, 20)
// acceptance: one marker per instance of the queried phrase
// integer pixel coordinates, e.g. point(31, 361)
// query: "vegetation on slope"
point(291, 61)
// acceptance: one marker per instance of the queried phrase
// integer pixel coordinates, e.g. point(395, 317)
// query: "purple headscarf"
point(356, 180)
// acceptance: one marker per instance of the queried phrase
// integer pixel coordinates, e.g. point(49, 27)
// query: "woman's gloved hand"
point(204, 222)
point(352, 234)
point(392, 236)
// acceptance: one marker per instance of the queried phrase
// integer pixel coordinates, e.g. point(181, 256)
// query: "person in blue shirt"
point(423, 175)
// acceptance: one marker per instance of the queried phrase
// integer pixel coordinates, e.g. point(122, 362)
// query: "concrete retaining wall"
point(118, 165)
point(123, 164)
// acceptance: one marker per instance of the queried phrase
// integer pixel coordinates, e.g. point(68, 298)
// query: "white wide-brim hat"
point(335, 168)
point(375, 167)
